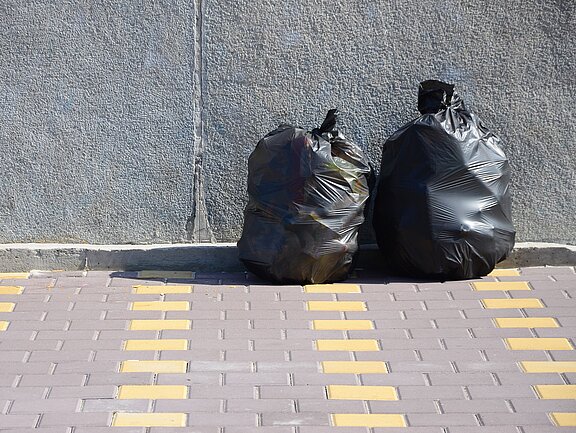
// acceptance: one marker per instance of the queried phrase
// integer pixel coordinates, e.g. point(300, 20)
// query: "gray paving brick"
point(407, 392)
point(226, 392)
point(57, 355)
point(493, 312)
point(109, 334)
point(98, 324)
point(490, 366)
point(465, 323)
point(250, 314)
point(96, 345)
point(311, 334)
point(203, 334)
point(534, 405)
point(451, 355)
point(261, 429)
point(470, 378)
point(498, 333)
point(514, 378)
point(86, 367)
point(131, 315)
point(393, 379)
point(483, 392)
point(222, 366)
point(190, 405)
point(519, 419)
point(270, 405)
point(30, 316)
point(36, 380)
point(24, 306)
point(445, 420)
point(9, 393)
point(6, 380)
point(307, 316)
point(288, 367)
point(301, 296)
point(402, 324)
point(12, 355)
point(259, 378)
point(84, 392)
point(386, 355)
point(279, 345)
point(16, 335)
point(63, 406)
point(308, 418)
point(483, 429)
point(260, 355)
point(201, 378)
point(37, 430)
point(25, 368)
point(571, 377)
point(419, 366)
point(251, 334)
point(76, 419)
point(65, 335)
point(217, 324)
point(566, 313)
point(472, 343)
point(11, 421)
point(474, 406)
point(515, 355)
point(384, 288)
point(72, 315)
point(20, 325)
point(120, 379)
point(292, 392)
point(433, 314)
point(564, 331)
point(118, 355)
point(318, 378)
point(114, 405)
point(440, 333)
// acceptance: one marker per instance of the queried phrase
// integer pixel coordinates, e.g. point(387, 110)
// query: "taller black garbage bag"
point(307, 192)
point(442, 207)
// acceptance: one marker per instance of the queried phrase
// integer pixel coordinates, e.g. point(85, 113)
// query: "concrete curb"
point(211, 257)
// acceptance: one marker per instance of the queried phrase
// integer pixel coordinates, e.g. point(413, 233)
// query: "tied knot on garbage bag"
point(307, 191)
point(442, 207)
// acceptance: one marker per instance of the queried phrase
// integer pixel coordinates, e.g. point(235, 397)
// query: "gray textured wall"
point(131, 122)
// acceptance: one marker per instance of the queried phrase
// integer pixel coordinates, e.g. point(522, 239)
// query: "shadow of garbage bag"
point(307, 191)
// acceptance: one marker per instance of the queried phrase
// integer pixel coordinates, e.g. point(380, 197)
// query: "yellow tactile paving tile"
point(348, 345)
point(354, 367)
point(160, 290)
point(167, 274)
point(135, 366)
point(14, 275)
point(499, 285)
point(564, 419)
point(548, 366)
point(556, 392)
point(504, 273)
point(512, 303)
point(332, 288)
point(342, 325)
point(152, 392)
point(6, 307)
point(367, 420)
point(156, 345)
point(160, 306)
point(159, 325)
point(11, 290)
point(335, 306)
point(4, 325)
point(358, 392)
point(538, 344)
point(149, 420)
point(526, 322)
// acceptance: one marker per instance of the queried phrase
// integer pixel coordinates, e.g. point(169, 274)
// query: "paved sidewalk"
point(94, 352)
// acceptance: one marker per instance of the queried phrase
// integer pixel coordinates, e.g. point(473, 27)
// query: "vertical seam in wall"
point(198, 227)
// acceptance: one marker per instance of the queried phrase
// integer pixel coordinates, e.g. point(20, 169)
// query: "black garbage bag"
point(442, 206)
point(307, 192)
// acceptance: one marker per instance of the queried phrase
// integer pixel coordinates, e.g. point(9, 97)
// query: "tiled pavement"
point(93, 352)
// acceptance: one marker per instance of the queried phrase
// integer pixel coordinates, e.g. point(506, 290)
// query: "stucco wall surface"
point(132, 122)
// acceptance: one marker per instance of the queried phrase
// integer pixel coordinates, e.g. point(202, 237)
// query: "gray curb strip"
point(212, 257)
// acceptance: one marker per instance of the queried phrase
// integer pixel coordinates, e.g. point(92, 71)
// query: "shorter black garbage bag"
point(442, 206)
point(307, 191)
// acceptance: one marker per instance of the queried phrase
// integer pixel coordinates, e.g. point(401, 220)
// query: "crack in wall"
point(198, 225)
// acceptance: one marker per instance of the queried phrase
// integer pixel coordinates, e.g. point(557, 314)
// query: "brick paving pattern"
point(155, 352)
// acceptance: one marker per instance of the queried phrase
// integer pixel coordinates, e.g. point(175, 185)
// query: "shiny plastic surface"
point(307, 192)
point(442, 206)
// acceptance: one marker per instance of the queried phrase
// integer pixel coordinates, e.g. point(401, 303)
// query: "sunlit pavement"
point(87, 352)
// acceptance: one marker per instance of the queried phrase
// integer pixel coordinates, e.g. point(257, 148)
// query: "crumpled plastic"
point(442, 206)
point(307, 191)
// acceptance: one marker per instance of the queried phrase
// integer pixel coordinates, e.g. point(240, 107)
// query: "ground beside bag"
point(442, 206)
point(307, 192)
